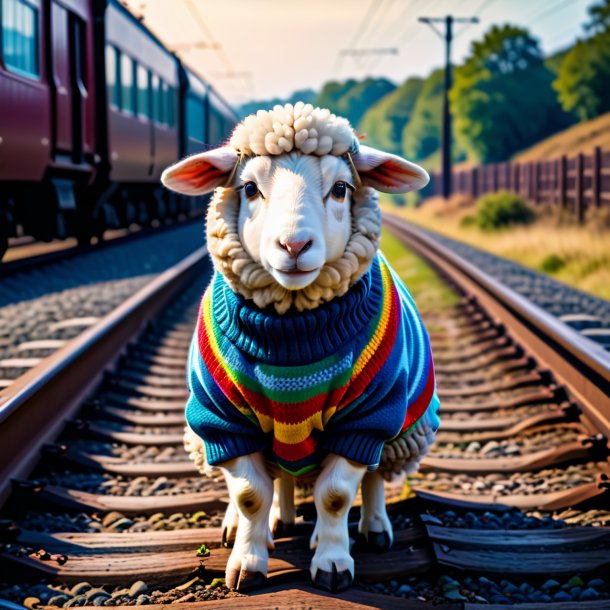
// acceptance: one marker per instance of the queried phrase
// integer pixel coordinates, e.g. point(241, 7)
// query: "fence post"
point(579, 201)
point(596, 198)
point(563, 181)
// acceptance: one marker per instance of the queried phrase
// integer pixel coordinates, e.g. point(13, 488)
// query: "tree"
point(600, 18)
point(353, 98)
point(502, 97)
point(422, 134)
point(384, 122)
point(583, 80)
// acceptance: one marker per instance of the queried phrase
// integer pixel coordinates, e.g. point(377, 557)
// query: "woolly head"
point(294, 220)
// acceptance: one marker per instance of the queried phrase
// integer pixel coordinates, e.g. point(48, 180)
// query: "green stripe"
point(293, 396)
point(303, 371)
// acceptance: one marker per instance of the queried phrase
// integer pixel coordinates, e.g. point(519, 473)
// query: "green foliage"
point(600, 17)
point(422, 134)
point(468, 221)
point(203, 551)
point(383, 123)
point(583, 81)
point(352, 98)
point(502, 209)
point(307, 96)
point(421, 137)
point(552, 263)
point(502, 96)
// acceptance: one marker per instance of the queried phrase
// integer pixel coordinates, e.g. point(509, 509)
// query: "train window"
point(162, 102)
point(157, 105)
point(112, 77)
point(194, 118)
point(127, 84)
point(170, 106)
point(20, 39)
point(143, 92)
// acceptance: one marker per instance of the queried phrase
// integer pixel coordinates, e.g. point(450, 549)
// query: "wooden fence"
point(575, 183)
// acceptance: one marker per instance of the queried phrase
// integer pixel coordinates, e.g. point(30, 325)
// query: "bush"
point(468, 221)
point(552, 263)
point(502, 209)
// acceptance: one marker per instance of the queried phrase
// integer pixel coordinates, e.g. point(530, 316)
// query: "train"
point(93, 107)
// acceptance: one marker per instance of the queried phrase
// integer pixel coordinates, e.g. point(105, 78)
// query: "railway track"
point(511, 507)
point(25, 253)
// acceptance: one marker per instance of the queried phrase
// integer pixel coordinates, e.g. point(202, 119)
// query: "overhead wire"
point(372, 10)
point(218, 48)
point(550, 11)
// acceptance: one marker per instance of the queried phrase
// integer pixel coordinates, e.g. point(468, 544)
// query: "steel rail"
point(577, 362)
point(34, 408)
point(54, 252)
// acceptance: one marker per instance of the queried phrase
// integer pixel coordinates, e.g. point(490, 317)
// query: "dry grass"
point(580, 138)
point(578, 256)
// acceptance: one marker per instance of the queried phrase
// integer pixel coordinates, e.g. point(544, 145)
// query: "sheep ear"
point(388, 173)
point(200, 173)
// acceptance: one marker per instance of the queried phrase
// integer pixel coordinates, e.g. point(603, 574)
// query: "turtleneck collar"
point(297, 338)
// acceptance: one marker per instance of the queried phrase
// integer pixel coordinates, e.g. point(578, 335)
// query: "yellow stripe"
point(371, 348)
point(209, 326)
point(292, 434)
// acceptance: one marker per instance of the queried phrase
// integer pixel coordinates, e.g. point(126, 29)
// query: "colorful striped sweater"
point(343, 378)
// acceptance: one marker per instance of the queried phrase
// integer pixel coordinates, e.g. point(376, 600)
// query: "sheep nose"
point(294, 248)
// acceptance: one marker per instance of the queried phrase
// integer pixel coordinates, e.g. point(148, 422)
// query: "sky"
point(258, 49)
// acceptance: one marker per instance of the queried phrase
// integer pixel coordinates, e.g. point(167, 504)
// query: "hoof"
point(283, 530)
point(333, 581)
point(227, 541)
point(244, 580)
point(378, 542)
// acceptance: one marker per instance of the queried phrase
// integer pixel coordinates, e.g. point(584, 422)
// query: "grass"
point(580, 138)
point(576, 255)
point(428, 290)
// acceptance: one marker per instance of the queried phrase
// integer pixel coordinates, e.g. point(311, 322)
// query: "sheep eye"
point(250, 189)
point(339, 190)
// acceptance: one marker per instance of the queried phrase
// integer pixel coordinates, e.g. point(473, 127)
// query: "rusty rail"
point(577, 362)
point(36, 406)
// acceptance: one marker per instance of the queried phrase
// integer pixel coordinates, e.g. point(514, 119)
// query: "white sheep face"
point(295, 214)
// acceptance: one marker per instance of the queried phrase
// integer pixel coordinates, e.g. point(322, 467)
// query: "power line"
point(548, 12)
point(449, 20)
point(374, 7)
point(218, 49)
point(484, 6)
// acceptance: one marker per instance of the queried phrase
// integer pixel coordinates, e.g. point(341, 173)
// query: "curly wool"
point(403, 453)
point(251, 280)
point(312, 131)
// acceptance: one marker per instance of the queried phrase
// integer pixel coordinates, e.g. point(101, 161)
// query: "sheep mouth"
point(295, 279)
point(296, 272)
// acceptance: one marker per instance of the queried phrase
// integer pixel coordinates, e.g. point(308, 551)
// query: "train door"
point(68, 57)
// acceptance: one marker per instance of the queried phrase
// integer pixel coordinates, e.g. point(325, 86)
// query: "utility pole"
point(449, 20)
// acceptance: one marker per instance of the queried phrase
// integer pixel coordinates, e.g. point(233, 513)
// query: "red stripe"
point(359, 383)
point(294, 452)
point(215, 367)
point(417, 408)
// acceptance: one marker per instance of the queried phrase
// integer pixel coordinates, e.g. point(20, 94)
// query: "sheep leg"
point(229, 525)
point(251, 491)
point(374, 523)
point(332, 567)
point(283, 512)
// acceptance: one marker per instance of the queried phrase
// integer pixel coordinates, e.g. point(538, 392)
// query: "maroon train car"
point(92, 108)
point(48, 113)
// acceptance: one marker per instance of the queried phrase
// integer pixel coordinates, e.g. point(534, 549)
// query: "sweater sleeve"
point(421, 394)
point(226, 432)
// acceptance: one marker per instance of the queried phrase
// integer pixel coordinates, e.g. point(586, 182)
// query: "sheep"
point(310, 361)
